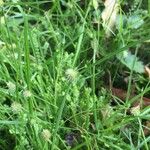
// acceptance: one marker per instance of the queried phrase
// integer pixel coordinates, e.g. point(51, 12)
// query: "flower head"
point(1, 2)
point(27, 93)
point(46, 134)
point(71, 74)
point(16, 107)
point(11, 86)
point(135, 110)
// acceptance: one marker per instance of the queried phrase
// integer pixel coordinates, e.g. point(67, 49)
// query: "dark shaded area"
point(7, 141)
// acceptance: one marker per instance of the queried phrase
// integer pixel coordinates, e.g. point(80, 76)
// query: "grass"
point(55, 66)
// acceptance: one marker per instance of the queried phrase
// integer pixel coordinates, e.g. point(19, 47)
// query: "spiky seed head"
point(71, 74)
point(46, 135)
point(16, 107)
point(11, 86)
point(27, 94)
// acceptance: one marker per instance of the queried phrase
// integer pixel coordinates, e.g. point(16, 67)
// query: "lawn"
point(74, 75)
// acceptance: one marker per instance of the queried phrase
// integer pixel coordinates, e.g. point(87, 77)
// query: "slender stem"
point(81, 37)
point(27, 59)
point(130, 78)
point(149, 7)
point(58, 119)
point(79, 45)
point(142, 133)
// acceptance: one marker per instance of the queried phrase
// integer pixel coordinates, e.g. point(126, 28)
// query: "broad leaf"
point(129, 60)
point(135, 21)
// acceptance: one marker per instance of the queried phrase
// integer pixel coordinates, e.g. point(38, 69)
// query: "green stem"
point(130, 78)
point(27, 60)
point(142, 133)
point(59, 119)
point(81, 36)
point(149, 7)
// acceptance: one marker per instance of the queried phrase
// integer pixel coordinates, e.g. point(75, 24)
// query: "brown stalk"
point(122, 95)
point(146, 102)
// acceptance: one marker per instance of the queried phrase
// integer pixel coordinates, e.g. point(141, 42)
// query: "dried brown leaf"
point(135, 110)
point(147, 128)
point(147, 71)
point(109, 15)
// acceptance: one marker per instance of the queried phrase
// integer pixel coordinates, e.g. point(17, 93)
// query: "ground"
point(74, 74)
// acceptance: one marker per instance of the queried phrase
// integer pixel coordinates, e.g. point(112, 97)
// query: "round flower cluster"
point(46, 134)
point(16, 107)
point(71, 74)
